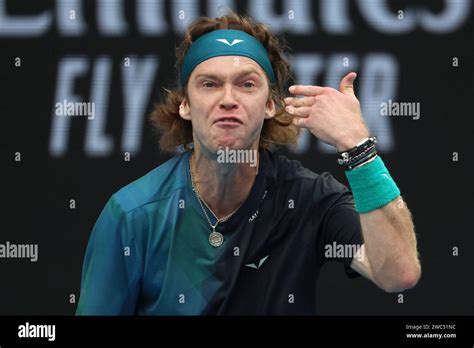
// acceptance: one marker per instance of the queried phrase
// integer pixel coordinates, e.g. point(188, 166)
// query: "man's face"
point(228, 101)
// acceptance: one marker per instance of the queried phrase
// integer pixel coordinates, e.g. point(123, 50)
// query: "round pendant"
point(216, 239)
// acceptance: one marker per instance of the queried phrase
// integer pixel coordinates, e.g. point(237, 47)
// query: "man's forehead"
point(236, 65)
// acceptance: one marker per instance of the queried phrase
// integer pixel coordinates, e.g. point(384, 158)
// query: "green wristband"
point(372, 186)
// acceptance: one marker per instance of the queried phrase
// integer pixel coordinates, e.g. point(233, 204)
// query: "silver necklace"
point(215, 238)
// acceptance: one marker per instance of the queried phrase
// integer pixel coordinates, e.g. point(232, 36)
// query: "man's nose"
point(228, 100)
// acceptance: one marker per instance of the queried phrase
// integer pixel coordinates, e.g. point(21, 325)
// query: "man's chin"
point(229, 143)
point(233, 144)
point(227, 146)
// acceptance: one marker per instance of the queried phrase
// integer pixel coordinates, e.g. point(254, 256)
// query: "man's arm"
point(390, 253)
point(335, 117)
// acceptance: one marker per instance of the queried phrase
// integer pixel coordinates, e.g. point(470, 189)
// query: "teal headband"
point(225, 42)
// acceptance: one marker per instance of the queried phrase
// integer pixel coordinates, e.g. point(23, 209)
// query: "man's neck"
point(223, 186)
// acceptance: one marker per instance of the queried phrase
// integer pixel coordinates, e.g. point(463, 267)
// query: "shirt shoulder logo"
point(252, 265)
point(253, 217)
point(234, 42)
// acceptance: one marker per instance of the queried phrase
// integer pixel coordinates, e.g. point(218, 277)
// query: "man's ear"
point(184, 111)
point(270, 108)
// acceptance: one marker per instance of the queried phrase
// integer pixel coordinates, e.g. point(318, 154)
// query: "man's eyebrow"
point(239, 74)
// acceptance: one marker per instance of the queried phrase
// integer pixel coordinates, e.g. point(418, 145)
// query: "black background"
point(37, 190)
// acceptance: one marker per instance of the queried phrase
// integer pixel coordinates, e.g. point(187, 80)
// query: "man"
point(206, 234)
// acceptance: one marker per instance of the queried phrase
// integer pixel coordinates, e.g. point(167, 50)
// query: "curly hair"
point(175, 131)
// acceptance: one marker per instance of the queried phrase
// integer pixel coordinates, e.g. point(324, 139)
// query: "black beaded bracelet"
point(359, 153)
point(360, 162)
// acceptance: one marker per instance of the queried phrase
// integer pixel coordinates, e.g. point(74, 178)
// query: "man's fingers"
point(305, 101)
point(306, 90)
point(302, 111)
point(300, 122)
point(347, 83)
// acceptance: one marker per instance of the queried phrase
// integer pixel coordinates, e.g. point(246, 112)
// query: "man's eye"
point(208, 84)
point(248, 84)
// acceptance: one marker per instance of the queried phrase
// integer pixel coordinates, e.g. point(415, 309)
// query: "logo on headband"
point(236, 41)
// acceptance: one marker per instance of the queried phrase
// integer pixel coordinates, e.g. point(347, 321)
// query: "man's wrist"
point(359, 154)
point(350, 142)
point(365, 162)
point(372, 186)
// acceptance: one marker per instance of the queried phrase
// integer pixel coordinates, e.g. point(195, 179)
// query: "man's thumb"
point(347, 84)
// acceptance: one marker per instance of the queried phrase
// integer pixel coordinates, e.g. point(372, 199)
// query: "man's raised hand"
point(332, 116)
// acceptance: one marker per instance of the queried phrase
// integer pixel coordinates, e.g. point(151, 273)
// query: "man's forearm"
point(390, 244)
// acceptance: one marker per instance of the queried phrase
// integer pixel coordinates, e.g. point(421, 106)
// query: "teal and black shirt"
point(149, 251)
